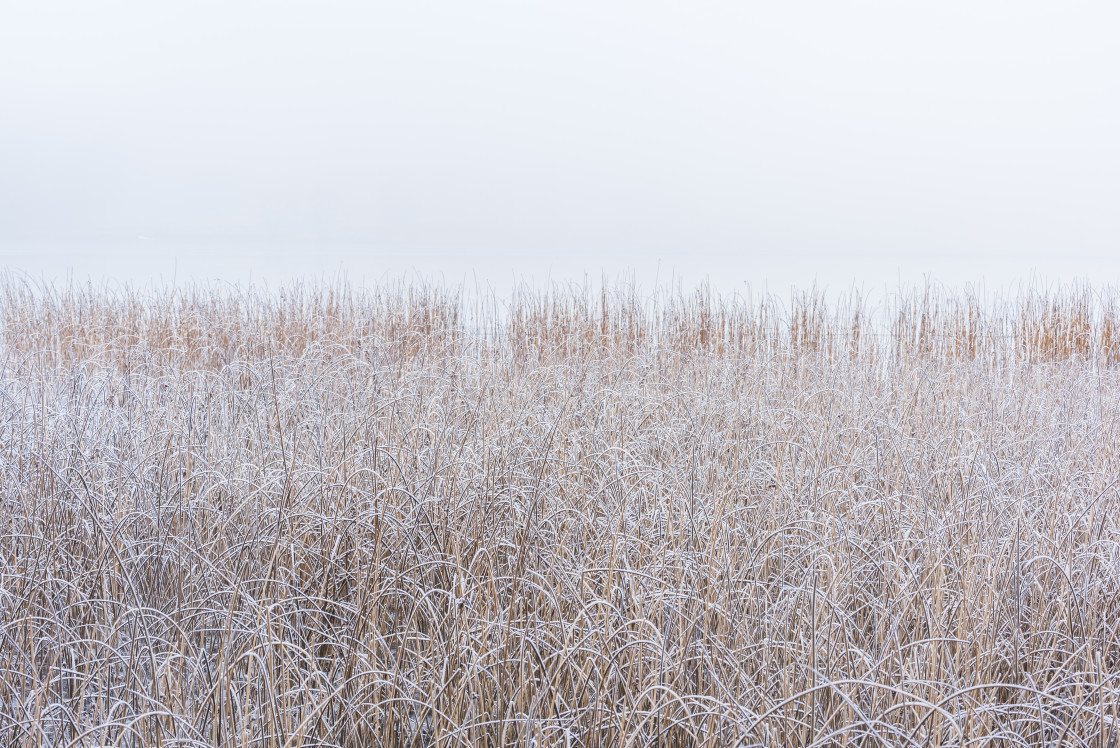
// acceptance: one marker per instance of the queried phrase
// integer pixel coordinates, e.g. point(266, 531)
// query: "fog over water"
point(487, 142)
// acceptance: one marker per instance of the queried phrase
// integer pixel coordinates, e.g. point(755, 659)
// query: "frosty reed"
point(410, 515)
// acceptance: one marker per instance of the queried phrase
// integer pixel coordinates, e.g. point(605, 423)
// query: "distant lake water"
point(144, 261)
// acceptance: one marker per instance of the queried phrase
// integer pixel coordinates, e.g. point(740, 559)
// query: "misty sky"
point(729, 139)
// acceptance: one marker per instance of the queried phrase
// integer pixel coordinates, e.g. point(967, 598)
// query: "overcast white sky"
point(743, 141)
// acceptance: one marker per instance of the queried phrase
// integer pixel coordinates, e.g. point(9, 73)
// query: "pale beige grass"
point(406, 516)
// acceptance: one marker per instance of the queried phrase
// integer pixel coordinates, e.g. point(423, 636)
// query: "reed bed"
point(412, 516)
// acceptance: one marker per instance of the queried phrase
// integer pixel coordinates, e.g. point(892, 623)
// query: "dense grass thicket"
point(406, 516)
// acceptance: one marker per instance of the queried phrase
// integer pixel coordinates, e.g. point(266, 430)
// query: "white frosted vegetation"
point(344, 518)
